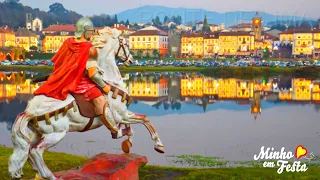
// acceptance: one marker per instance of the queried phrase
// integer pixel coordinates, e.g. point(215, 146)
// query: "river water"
point(193, 114)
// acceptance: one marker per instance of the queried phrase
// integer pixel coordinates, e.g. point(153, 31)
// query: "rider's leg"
point(102, 109)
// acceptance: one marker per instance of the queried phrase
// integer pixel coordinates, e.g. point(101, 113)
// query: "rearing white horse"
point(50, 119)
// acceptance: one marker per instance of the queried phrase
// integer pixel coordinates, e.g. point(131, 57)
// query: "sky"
point(305, 8)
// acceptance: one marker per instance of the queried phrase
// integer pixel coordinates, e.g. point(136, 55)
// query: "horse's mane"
point(107, 33)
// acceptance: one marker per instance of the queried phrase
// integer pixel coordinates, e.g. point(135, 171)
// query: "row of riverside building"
point(244, 39)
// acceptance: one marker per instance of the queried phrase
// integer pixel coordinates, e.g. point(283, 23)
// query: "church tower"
point(256, 104)
point(29, 21)
point(257, 26)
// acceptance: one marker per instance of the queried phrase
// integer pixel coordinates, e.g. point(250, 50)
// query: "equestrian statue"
point(84, 91)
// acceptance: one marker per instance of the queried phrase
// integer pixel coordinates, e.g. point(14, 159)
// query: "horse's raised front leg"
point(133, 118)
point(47, 141)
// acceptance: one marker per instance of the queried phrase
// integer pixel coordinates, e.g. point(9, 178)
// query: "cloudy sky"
point(306, 8)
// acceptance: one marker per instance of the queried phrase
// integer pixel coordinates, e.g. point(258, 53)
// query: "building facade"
point(174, 36)
point(149, 41)
point(52, 42)
point(304, 42)
point(147, 88)
point(236, 43)
point(192, 44)
point(9, 37)
point(35, 25)
point(58, 28)
point(210, 45)
point(26, 39)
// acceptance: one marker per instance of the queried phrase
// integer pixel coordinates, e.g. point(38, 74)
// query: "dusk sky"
point(306, 8)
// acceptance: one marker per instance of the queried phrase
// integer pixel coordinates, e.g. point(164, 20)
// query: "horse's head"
point(114, 42)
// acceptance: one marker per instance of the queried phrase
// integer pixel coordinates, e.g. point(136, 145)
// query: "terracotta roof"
point(236, 34)
point(149, 33)
point(121, 27)
point(58, 33)
point(6, 29)
point(60, 27)
point(316, 31)
point(23, 32)
point(192, 34)
point(269, 36)
point(200, 22)
point(211, 35)
point(291, 31)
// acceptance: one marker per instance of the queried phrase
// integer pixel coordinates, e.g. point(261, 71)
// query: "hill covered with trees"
point(13, 14)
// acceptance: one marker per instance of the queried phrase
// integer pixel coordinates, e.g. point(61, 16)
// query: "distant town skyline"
point(307, 8)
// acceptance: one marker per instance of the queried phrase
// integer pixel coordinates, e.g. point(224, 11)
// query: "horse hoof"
point(126, 145)
point(159, 149)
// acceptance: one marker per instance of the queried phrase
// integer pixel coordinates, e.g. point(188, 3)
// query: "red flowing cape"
point(69, 66)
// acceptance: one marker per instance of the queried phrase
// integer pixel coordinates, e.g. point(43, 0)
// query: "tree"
point(178, 20)
point(127, 22)
point(266, 53)
point(172, 26)
point(318, 23)
point(57, 8)
point(136, 26)
point(148, 54)
point(156, 22)
point(166, 19)
point(116, 19)
point(10, 1)
point(139, 53)
point(33, 48)
point(206, 27)
point(279, 27)
point(155, 53)
point(122, 22)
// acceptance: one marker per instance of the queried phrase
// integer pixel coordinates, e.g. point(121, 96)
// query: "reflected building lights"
point(199, 89)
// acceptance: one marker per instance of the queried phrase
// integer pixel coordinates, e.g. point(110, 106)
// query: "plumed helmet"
point(83, 26)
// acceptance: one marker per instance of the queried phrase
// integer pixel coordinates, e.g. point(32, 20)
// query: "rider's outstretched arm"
point(94, 73)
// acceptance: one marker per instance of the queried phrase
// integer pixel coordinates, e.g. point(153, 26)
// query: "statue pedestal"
point(107, 166)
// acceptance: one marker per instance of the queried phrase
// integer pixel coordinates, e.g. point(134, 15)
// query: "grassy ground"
point(61, 161)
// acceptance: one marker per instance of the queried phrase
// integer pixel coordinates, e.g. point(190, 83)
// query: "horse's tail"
point(21, 144)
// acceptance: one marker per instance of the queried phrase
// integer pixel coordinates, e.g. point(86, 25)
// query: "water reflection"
point(181, 92)
point(219, 112)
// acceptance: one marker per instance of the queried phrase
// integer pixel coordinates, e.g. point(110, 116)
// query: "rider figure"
point(76, 71)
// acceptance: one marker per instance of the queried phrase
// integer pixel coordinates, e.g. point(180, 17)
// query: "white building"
point(184, 27)
point(35, 25)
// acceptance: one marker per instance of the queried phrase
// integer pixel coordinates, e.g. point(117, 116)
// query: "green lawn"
point(62, 161)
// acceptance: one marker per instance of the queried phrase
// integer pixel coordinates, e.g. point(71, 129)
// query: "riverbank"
point(62, 161)
point(240, 72)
